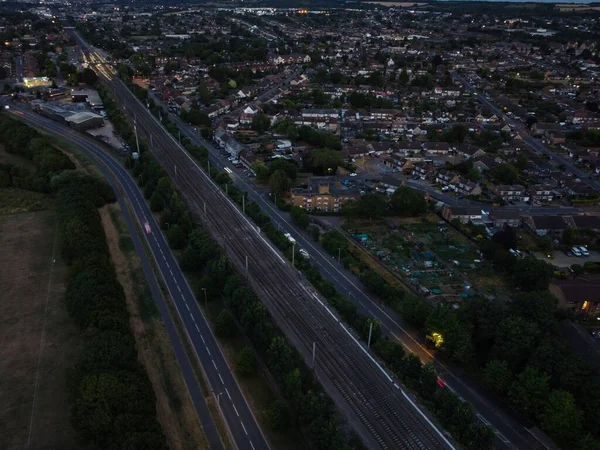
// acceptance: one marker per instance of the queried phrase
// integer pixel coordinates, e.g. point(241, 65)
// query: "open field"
point(38, 341)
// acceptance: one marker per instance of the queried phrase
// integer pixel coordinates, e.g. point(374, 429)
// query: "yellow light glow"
point(437, 339)
point(585, 305)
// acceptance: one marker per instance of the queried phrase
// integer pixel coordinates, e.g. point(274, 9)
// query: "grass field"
point(16, 201)
point(38, 341)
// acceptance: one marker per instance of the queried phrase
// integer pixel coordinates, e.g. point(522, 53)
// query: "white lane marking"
point(203, 341)
point(171, 272)
point(252, 445)
point(187, 306)
point(236, 412)
point(244, 428)
point(221, 378)
point(178, 288)
point(207, 350)
point(227, 392)
point(192, 316)
point(197, 328)
point(214, 364)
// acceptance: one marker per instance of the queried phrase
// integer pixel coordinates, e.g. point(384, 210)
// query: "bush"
point(246, 362)
point(225, 325)
point(277, 414)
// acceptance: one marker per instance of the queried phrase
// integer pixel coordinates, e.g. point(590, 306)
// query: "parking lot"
point(560, 259)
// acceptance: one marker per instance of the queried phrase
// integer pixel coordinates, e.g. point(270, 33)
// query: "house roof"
point(548, 222)
point(592, 222)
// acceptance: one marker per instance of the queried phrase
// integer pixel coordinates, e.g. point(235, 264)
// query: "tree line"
point(112, 403)
point(21, 140)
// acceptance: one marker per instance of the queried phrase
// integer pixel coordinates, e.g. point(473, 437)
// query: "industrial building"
point(85, 121)
point(54, 112)
point(89, 96)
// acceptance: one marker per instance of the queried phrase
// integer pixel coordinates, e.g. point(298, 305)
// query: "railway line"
point(388, 420)
point(377, 408)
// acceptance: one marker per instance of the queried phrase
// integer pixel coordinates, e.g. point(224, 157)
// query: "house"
point(540, 128)
point(546, 225)
point(464, 214)
point(436, 148)
point(406, 148)
point(469, 151)
point(322, 197)
point(423, 171)
point(466, 187)
point(500, 217)
point(486, 162)
point(228, 142)
point(382, 114)
point(584, 221)
point(445, 177)
point(512, 192)
point(582, 294)
point(321, 113)
point(540, 193)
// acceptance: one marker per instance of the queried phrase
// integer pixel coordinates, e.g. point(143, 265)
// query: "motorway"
point(240, 420)
point(379, 410)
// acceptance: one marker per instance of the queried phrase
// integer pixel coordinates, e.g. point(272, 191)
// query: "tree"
point(225, 325)
point(532, 274)
point(261, 170)
point(536, 307)
point(370, 206)
point(232, 84)
point(89, 77)
point(428, 380)
point(403, 78)
point(529, 391)
point(260, 123)
point(157, 204)
point(415, 310)
point(408, 202)
point(299, 216)
point(176, 237)
point(279, 182)
point(324, 161)
point(497, 376)
point(562, 419)
point(522, 161)
point(504, 173)
point(277, 414)
point(246, 362)
point(515, 339)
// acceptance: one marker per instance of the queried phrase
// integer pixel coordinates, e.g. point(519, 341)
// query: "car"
point(569, 253)
point(147, 228)
point(353, 174)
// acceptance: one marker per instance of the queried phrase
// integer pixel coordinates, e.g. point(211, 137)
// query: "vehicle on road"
point(584, 251)
point(576, 251)
point(147, 228)
point(353, 174)
point(304, 253)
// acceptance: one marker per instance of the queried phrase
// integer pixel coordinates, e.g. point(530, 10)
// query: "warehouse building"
point(85, 121)
point(54, 112)
point(89, 96)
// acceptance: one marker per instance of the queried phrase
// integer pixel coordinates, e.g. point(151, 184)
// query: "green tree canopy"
point(408, 202)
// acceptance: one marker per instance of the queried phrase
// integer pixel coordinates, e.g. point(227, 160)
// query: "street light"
point(205, 299)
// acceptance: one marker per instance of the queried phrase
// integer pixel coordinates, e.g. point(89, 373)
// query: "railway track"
point(385, 416)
